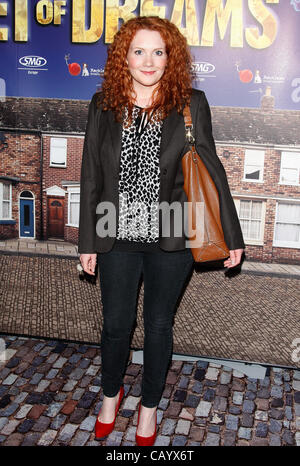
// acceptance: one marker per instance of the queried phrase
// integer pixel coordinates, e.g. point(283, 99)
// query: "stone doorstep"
point(250, 266)
point(294, 268)
point(27, 243)
point(71, 253)
point(285, 269)
point(266, 266)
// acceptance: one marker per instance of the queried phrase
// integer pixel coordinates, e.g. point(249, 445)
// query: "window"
point(58, 152)
point(26, 194)
point(254, 165)
point(252, 217)
point(73, 207)
point(5, 201)
point(287, 225)
point(290, 168)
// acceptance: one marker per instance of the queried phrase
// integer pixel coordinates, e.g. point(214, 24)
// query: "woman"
point(134, 143)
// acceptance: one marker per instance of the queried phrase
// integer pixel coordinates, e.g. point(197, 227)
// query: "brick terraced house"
point(20, 185)
point(41, 143)
point(260, 150)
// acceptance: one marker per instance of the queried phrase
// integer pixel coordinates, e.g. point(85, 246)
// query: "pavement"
point(65, 249)
point(50, 390)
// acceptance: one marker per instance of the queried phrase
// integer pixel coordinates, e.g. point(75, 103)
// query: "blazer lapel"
point(170, 125)
point(116, 136)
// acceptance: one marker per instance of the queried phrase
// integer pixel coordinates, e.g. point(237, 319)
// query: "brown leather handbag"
point(206, 237)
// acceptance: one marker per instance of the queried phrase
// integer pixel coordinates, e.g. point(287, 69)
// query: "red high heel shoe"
point(102, 429)
point(145, 441)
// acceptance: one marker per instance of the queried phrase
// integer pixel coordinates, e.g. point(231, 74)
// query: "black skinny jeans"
point(164, 275)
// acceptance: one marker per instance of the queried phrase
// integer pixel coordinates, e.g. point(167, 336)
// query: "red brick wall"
point(20, 158)
point(54, 176)
point(270, 187)
point(71, 235)
point(8, 232)
point(234, 166)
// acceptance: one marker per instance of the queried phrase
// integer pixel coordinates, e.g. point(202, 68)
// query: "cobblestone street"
point(50, 395)
point(50, 365)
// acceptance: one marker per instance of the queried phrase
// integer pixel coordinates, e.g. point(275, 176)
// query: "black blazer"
point(100, 173)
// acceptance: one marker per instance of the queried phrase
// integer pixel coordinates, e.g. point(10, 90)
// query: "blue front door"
point(26, 218)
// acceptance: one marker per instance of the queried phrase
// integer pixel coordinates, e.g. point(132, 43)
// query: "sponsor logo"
point(202, 70)
point(272, 79)
point(32, 61)
point(245, 74)
point(77, 69)
point(202, 67)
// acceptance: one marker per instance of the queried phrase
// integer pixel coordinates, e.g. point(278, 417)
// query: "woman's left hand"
point(234, 259)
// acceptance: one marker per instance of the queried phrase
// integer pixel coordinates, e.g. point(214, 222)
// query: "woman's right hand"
point(88, 262)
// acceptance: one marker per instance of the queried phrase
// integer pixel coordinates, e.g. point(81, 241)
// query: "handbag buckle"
point(189, 135)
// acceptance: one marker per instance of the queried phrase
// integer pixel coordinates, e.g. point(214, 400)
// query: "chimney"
point(267, 102)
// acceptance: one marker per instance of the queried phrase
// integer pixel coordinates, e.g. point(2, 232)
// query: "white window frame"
point(285, 244)
point(75, 190)
point(2, 201)
point(248, 153)
point(260, 241)
point(296, 154)
point(52, 147)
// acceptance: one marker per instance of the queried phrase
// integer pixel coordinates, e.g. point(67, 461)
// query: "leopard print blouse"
point(139, 181)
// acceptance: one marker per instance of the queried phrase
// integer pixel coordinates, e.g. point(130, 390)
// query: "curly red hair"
point(175, 86)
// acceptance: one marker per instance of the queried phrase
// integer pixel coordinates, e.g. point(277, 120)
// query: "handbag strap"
point(188, 123)
point(189, 132)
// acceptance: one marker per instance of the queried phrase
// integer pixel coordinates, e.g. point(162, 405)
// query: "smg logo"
point(32, 61)
point(202, 67)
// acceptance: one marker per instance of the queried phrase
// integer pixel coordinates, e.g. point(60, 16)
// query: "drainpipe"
point(41, 187)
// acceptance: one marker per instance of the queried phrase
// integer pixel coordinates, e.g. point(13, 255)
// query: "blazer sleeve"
point(206, 149)
point(90, 181)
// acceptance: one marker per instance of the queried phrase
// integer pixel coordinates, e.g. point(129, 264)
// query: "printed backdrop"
point(242, 50)
point(57, 49)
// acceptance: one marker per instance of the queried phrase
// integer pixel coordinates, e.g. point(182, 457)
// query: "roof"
point(54, 115)
point(230, 124)
point(254, 125)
